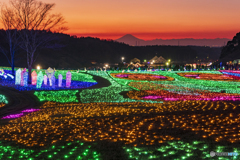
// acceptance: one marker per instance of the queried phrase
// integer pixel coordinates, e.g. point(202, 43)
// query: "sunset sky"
point(150, 19)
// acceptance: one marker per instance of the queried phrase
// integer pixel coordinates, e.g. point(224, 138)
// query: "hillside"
point(231, 51)
point(79, 52)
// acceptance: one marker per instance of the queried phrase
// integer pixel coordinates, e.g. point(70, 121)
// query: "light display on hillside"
point(53, 81)
point(39, 79)
point(45, 80)
point(50, 72)
point(209, 76)
point(141, 77)
point(22, 77)
point(68, 79)
point(18, 77)
point(34, 78)
point(60, 80)
point(25, 79)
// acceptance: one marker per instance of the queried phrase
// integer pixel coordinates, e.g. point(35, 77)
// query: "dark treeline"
point(231, 51)
point(80, 52)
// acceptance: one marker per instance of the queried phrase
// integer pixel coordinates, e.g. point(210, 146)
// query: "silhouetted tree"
point(35, 21)
point(10, 23)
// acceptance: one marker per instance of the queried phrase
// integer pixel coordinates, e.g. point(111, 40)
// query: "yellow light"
point(38, 67)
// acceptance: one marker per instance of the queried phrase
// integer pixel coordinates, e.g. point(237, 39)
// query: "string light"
point(70, 150)
point(180, 149)
point(79, 81)
point(3, 99)
point(64, 128)
point(139, 77)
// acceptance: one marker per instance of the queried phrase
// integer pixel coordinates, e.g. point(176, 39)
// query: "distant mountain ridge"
point(134, 41)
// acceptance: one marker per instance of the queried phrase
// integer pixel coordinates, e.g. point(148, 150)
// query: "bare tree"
point(10, 23)
point(35, 22)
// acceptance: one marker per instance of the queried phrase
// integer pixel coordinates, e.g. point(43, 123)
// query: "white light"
point(122, 58)
point(38, 67)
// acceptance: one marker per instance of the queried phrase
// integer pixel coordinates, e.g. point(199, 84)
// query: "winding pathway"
point(20, 100)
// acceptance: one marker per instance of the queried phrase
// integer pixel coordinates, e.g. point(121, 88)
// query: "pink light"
point(20, 114)
point(160, 77)
point(34, 78)
point(195, 98)
point(191, 75)
point(13, 116)
point(152, 97)
point(236, 71)
point(30, 110)
point(122, 75)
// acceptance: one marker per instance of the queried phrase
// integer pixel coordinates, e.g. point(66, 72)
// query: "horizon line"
point(93, 35)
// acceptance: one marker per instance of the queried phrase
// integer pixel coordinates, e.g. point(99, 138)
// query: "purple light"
point(13, 116)
point(160, 77)
point(30, 110)
point(122, 75)
point(184, 98)
point(20, 114)
point(191, 75)
point(152, 97)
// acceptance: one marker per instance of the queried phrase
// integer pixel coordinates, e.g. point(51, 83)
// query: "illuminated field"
point(134, 117)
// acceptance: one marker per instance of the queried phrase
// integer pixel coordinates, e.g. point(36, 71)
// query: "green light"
point(57, 96)
point(50, 156)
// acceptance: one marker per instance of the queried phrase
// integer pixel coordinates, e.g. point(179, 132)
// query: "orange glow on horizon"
point(172, 19)
point(151, 36)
